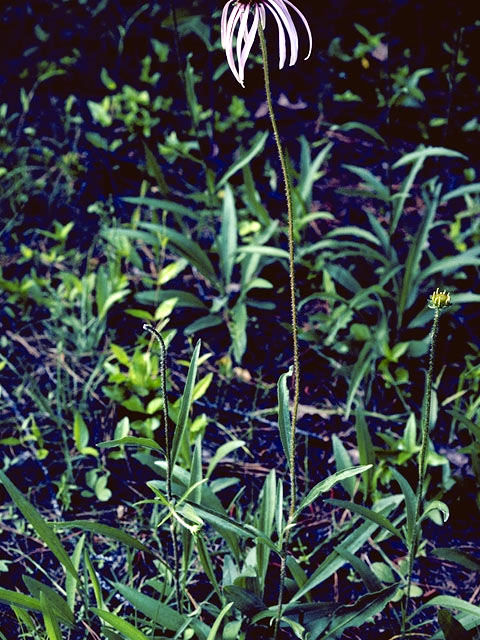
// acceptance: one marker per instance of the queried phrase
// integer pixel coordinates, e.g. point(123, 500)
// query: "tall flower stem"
point(421, 463)
point(168, 480)
point(293, 307)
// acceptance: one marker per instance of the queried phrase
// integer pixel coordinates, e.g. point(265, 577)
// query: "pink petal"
point(307, 26)
point(235, 16)
point(282, 45)
point(240, 38)
point(223, 29)
point(249, 39)
point(277, 7)
point(263, 16)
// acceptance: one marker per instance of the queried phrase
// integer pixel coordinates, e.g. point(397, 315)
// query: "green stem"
point(293, 307)
point(421, 463)
point(168, 480)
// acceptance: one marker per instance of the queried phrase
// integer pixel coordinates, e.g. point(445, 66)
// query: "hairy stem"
point(168, 481)
point(293, 307)
point(421, 464)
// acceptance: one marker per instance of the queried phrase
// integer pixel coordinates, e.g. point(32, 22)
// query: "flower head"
point(439, 299)
point(237, 12)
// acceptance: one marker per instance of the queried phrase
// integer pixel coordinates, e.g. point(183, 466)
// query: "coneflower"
point(238, 12)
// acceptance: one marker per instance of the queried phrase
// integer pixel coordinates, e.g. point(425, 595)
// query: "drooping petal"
point(307, 26)
point(263, 16)
point(249, 39)
point(223, 28)
point(240, 38)
point(282, 45)
point(279, 9)
point(230, 28)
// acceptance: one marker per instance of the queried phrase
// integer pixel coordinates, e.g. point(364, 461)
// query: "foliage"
point(145, 492)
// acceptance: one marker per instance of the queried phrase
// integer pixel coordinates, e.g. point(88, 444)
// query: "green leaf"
point(275, 252)
point(265, 517)
point(348, 126)
point(459, 557)
point(377, 188)
point(207, 564)
point(56, 602)
point(245, 158)
point(132, 441)
point(38, 523)
point(284, 424)
point(356, 614)
point(17, 599)
point(452, 629)
point(427, 152)
point(203, 323)
point(451, 602)
point(51, 623)
point(365, 450)
point(183, 298)
point(359, 370)
point(436, 506)
point(238, 331)
point(309, 173)
point(94, 581)
point(251, 197)
point(353, 542)
point(151, 608)
point(326, 484)
point(186, 247)
point(155, 171)
point(120, 624)
point(370, 580)
point(343, 461)
point(227, 241)
point(368, 514)
point(246, 601)
point(410, 504)
point(103, 530)
point(417, 248)
point(185, 405)
point(220, 521)
point(417, 159)
point(196, 472)
point(154, 204)
point(216, 625)
point(70, 582)
point(222, 452)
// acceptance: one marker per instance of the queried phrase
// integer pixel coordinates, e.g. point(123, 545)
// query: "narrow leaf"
point(120, 624)
point(368, 514)
point(245, 158)
point(132, 441)
point(185, 405)
point(38, 523)
point(216, 625)
point(227, 241)
point(328, 483)
point(284, 424)
point(103, 530)
point(410, 504)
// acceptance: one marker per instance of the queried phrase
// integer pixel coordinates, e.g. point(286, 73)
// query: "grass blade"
point(378, 518)
point(103, 530)
point(284, 413)
point(43, 530)
point(227, 241)
point(119, 624)
point(185, 405)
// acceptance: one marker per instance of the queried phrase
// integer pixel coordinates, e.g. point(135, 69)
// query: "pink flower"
point(239, 15)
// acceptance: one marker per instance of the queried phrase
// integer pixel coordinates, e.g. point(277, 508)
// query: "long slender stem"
point(168, 480)
point(421, 463)
point(293, 307)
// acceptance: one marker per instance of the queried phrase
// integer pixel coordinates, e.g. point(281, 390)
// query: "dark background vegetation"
point(58, 163)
